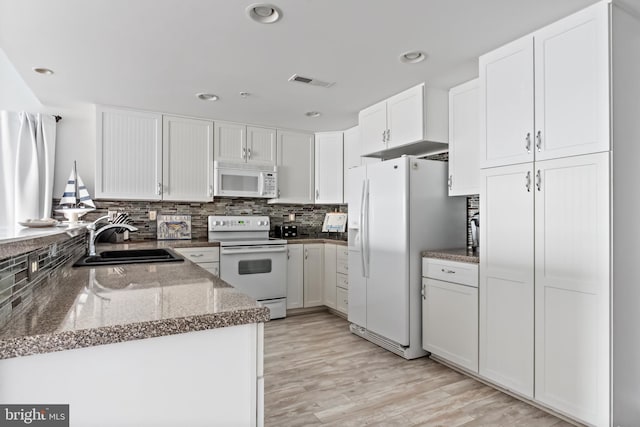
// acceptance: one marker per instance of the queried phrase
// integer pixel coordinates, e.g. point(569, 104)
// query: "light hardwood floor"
point(318, 373)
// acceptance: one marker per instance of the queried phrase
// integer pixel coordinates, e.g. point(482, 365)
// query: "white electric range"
point(251, 261)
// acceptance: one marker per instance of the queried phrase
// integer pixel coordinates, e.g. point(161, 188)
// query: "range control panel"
point(238, 223)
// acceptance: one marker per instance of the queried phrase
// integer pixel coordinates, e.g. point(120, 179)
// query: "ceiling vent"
point(309, 81)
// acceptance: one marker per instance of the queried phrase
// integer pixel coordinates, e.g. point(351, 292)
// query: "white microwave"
point(245, 180)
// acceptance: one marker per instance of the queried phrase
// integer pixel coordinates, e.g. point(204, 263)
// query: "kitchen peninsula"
point(139, 344)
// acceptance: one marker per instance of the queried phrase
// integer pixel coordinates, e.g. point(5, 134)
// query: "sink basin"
point(130, 256)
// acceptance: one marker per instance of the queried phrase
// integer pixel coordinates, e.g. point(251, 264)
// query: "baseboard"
point(309, 310)
point(337, 313)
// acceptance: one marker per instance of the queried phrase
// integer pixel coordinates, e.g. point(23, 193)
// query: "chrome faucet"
point(93, 234)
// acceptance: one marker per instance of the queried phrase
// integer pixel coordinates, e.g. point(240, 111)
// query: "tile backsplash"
point(16, 287)
point(309, 218)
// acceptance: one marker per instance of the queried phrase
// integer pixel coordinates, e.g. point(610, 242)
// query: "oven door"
point(258, 271)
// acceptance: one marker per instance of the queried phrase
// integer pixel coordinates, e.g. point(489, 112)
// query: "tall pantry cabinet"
point(550, 103)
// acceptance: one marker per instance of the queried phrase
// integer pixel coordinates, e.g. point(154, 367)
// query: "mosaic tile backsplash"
point(16, 288)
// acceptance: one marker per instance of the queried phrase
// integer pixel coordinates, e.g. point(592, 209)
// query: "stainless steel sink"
point(129, 256)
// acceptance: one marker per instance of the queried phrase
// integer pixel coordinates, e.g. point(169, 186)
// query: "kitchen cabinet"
point(296, 165)
point(128, 155)
point(572, 250)
point(237, 142)
point(295, 276)
point(506, 294)
point(205, 257)
point(414, 115)
point(450, 311)
point(329, 168)
point(313, 274)
point(464, 170)
point(329, 292)
point(352, 148)
point(187, 152)
point(342, 279)
point(558, 75)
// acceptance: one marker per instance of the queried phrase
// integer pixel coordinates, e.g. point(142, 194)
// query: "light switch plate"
point(152, 215)
point(32, 266)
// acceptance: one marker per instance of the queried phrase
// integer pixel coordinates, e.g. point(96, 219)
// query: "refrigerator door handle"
point(365, 228)
point(362, 195)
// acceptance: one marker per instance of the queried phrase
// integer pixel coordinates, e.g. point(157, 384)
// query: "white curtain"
point(28, 143)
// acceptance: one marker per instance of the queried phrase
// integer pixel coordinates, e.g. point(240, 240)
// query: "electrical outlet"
point(32, 266)
point(112, 215)
point(152, 215)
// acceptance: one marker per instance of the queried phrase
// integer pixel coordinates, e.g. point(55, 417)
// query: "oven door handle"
point(253, 250)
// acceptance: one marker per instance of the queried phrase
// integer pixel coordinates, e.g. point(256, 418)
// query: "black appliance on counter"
point(285, 231)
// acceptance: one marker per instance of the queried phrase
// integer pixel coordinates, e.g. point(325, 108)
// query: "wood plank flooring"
point(318, 373)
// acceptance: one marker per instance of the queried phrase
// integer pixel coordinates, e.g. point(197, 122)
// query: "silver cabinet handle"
point(384, 136)
point(306, 253)
point(211, 191)
point(539, 180)
point(288, 254)
point(196, 255)
point(450, 182)
point(244, 153)
point(249, 153)
point(423, 292)
point(448, 271)
point(317, 194)
point(159, 189)
point(528, 139)
point(388, 135)
point(278, 193)
point(539, 141)
point(528, 181)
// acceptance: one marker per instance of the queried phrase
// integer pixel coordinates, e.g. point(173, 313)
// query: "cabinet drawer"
point(342, 281)
point(342, 305)
point(211, 267)
point(342, 260)
point(198, 255)
point(450, 271)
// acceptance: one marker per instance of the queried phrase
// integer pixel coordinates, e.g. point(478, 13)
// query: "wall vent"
point(309, 81)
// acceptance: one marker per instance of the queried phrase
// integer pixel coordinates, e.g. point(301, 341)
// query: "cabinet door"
point(230, 142)
point(329, 168)
point(295, 276)
point(572, 286)
point(330, 276)
point(261, 145)
point(313, 274)
point(506, 105)
point(506, 277)
point(372, 122)
point(128, 155)
point(295, 155)
point(464, 171)
point(572, 85)
point(450, 322)
point(405, 117)
point(352, 148)
point(187, 147)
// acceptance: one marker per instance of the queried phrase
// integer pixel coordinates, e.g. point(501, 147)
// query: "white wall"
point(15, 95)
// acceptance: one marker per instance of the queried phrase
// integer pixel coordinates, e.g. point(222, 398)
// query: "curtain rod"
point(58, 118)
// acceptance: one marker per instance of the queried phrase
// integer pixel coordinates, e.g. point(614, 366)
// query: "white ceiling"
point(156, 54)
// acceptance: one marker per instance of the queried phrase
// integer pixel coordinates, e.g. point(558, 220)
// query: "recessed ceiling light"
point(313, 114)
point(42, 70)
point(264, 13)
point(413, 57)
point(207, 96)
point(244, 94)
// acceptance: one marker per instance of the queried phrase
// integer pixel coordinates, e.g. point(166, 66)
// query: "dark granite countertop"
point(84, 307)
point(461, 254)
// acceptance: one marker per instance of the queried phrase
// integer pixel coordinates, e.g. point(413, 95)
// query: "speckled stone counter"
point(307, 241)
point(84, 307)
point(461, 255)
point(19, 240)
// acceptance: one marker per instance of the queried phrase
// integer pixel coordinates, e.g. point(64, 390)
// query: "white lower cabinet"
point(205, 257)
point(450, 313)
point(329, 293)
point(305, 275)
point(342, 279)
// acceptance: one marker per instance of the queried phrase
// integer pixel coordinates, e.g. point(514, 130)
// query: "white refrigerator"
point(397, 209)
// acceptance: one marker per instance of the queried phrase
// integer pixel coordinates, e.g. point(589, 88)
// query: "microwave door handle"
point(261, 183)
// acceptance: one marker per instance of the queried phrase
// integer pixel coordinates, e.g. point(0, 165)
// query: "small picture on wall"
point(174, 227)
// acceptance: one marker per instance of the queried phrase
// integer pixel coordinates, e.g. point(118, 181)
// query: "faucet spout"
point(93, 234)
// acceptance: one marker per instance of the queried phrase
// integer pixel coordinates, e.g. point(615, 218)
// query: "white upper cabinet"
point(352, 148)
point(187, 147)
point(329, 168)
point(128, 155)
point(295, 161)
point(464, 170)
point(237, 142)
point(506, 104)
point(571, 96)
point(572, 85)
point(414, 115)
